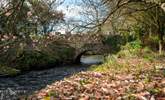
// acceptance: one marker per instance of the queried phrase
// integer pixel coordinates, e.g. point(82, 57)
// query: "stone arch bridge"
point(91, 48)
point(83, 44)
point(87, 48)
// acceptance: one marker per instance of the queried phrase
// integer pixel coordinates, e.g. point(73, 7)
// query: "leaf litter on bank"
point(91, 85)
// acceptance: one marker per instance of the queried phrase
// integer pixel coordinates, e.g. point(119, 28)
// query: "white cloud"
point(3, 3)
point(71, 11)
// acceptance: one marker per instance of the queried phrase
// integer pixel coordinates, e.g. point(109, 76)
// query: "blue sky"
point(68, 2)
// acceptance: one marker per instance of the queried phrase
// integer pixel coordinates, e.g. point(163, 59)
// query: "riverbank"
point(27, 83)
point(41, 57)
point(32, 81)
point(128, 79)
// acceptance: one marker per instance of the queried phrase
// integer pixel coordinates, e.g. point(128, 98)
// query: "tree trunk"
point(150, 32)
point(160, 47)
point(160, 43)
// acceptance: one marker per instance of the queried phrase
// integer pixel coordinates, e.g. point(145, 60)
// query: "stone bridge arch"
point(95, 48)
point(79, 55)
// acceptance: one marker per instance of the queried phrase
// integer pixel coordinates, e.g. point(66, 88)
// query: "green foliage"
point(61, 51)
point(4, 70)
point(138, 31)
point(148, 54)
point(164, 73)
point(131, 49)
point(130, 38)
point(130, 97)
point(34, 60)
point(27, 18)
point(84, 81)
point(135, 45)
point(135, 49)
point(154, 91)
point(114, 42)
point(155, 39)
point(52, 94)
point(43, 54)
point(111, 64)
point(43, 57)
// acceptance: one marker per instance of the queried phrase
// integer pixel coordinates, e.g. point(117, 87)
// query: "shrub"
point(153, 43)
point(41, 57)
point(111, 64)
point(8, 71)
point(130, 49)
point(148, 54)
point(32, 59)
point(115, 42)
point(62, 52)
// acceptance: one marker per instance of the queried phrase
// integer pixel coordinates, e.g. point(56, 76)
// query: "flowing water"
point(26, 84)
point(93, 59)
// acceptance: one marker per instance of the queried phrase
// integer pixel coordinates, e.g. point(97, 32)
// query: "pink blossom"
point(8, 14)
point(29, 13)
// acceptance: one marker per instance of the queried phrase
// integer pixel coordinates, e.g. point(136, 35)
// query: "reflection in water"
point(93, 59)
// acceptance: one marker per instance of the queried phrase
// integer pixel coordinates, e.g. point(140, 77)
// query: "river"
point(94, 59)
point(32, 81)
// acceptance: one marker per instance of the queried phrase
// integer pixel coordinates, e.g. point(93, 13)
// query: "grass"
point(117, 65)
point(148, 65)
point(133, 58)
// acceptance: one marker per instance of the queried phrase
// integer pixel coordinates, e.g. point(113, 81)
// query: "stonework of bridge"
point(92, 48)
point(82, 43)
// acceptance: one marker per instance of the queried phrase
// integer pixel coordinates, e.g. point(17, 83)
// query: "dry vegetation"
point(120, 79)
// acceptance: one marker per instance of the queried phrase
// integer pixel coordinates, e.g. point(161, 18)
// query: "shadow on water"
point(35, 80)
